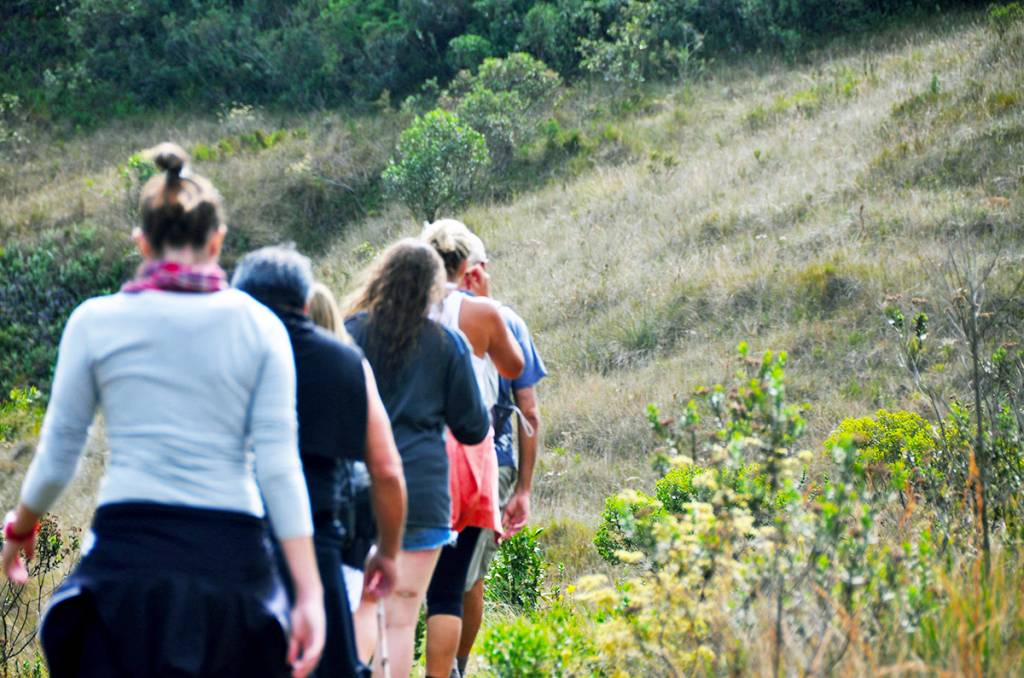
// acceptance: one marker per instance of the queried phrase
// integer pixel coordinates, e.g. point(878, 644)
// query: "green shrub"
point(520, 73)
point(10, 106)
point(888, 437)
point(134, 175)
point(545, 28)
point(552, 642)
point(516, 576)
point(503, 101)
point(21, 414)
point(437, 165)
point(41, 282)
point(1004, 18)
point(677, 488)
point(648, 39)
point(468, 51)
point(627, 524)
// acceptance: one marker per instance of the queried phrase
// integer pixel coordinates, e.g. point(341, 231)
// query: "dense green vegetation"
point(84, 60)
point(40, 284)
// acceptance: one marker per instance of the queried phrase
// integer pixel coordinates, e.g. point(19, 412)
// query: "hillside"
point(773, 202)
point(770, 203)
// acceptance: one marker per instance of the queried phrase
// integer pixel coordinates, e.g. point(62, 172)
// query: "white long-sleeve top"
point(198, 396)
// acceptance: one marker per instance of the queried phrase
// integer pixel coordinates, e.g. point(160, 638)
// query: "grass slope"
point(766, 202)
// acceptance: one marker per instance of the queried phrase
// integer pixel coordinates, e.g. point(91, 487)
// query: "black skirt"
point(170, 591)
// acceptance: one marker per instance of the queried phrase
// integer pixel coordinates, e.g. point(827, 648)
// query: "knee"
point(449, 604)
point(403, 607)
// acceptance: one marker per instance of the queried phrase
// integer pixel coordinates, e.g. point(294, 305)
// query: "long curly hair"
point(396, 295)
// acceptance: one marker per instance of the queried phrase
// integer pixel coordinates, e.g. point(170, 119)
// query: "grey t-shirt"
point(437, 387)
point(198, 397)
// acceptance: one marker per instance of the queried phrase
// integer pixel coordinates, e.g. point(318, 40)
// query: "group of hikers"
point(255, 431)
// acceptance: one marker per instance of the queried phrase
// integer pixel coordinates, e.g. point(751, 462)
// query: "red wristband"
point(11, 535)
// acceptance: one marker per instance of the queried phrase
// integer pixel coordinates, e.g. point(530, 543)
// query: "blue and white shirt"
point(533, 372)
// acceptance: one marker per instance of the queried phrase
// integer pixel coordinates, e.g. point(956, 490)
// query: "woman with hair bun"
point(495, 353)
point(196, 383)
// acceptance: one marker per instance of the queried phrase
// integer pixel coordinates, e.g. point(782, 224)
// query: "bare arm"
point(517, 512)
point(526, 400)
point(308, 620)
point(387, 488)
point(503, 348)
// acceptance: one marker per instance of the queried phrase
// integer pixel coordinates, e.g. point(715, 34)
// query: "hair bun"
point(445, 235)
point(169, 157)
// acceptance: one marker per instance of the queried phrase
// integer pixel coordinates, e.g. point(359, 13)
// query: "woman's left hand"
point(14, 567)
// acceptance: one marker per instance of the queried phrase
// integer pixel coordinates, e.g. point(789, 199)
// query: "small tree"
point(503, 101)
point(437, 165)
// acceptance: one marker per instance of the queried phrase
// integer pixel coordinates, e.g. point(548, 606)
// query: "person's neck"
point(463, 288)
point(186, 256)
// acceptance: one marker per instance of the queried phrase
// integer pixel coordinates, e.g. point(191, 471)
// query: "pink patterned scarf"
point(174, 277)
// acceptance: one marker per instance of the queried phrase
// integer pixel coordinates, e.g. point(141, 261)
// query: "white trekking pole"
point(382, 644)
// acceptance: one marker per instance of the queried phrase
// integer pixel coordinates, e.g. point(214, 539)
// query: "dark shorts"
point(170, 591)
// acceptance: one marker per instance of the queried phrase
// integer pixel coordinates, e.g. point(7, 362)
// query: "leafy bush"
point(437, 165)
point(516, 577)
point(887, 437)
point(10, 106)
point(544, 32)
point(677, 488)
point(649, 39)
point(40, 284)
point(503, 101)
point(553, 642)
point(1004, 18)
point(755, 551)
point(468, 51)
point(21, 414)
point(628, 525)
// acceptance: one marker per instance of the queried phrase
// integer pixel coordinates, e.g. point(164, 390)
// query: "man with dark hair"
point(341, 418)
point(515, 397)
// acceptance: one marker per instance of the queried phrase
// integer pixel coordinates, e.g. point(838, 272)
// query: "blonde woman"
point(360, 530)
point(324, 311)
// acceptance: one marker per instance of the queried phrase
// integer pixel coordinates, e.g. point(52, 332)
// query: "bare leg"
point(365, 622)
point(403, 607)
point(443, 631)
point(472, 617)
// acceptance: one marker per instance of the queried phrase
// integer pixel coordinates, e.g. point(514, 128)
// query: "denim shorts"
point(426, 538)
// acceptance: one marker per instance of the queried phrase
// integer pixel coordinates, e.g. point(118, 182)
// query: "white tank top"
point(486, 372)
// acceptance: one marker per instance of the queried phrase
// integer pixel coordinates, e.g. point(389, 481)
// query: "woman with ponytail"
point(196, 384)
